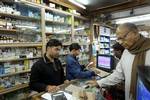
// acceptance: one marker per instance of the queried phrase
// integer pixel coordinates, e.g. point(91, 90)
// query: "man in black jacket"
point(47, 73)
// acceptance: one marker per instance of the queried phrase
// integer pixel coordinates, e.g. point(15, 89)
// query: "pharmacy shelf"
point(80, 35)
point(104, 47)
point(20, 44)
point(83, 43)
point(80, 17)
point(14, 31)
point(54, 10)
point(15, 88)
point(12, 74)
point(9, 30)
point(53, 33)
point(19, 17)
point(58, 11)
point(66, 44)
point(58, 23)
point(104, 35)
point(104, 42)
point(18, 59)
point(46, 7)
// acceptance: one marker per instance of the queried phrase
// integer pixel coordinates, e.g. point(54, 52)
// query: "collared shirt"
point(44, 73)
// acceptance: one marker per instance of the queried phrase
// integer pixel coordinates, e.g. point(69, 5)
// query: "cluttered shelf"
point(18, 59)
point(28, 44)
point(57, 22)
point(12, 31)
point(20, 17)
point(53, 33)
point(46, 7)
point(11, 89)
point(80, 17)
point(81, 35)
point(54, 10)
point(11, 74)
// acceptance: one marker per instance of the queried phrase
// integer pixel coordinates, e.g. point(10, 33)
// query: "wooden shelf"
point(58, 11)
point(81, 35)
point(104, 35)
point(52, 33)
point(66, 44)
point(17, 59)
point(56, 22)
point(46, 7)
point(104, 42)
point(12, 74)
point(83, 43)
point(104, 48)
point(9, 30)
point(80, 17)
point(54, 10)
point(14, 31)
point(19, 17)
point(20, 44)
point(11, 89)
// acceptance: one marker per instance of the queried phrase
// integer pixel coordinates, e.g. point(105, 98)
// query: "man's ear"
point(119, 51)
point(73, 50)
point(48, 48)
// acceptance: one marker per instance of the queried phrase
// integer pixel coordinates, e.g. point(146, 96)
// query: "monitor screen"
point(142, 92)
point(105, 62)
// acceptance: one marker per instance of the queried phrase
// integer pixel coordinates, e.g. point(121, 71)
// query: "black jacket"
point(44, 73)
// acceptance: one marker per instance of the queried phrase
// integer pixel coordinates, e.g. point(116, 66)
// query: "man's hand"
point(52, 88)
point(89, 65)
point(92, 83)
point(66, 82)
point(97, 72)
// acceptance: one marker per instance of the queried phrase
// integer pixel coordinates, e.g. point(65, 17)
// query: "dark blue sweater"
point(74, 69)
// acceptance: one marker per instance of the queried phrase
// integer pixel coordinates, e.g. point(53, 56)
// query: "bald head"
point(128, 27)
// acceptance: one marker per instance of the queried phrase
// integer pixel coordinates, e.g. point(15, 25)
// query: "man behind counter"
point(47, 73)
point(73, 69)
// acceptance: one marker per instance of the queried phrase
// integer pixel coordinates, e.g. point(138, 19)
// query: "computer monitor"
point(143, 83)
point(105, 62)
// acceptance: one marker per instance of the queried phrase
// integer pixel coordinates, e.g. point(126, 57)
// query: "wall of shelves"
point(102, 39)
point(25, 25)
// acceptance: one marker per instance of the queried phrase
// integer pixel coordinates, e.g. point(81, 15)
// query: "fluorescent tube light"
point(78, 29)
point(133, 19)
point(30, 27)
point(78, 4)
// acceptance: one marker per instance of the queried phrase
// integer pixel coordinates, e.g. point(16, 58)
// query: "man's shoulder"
point(69, 57)
point(57, 60)
point(148, 51)
point(39, 62)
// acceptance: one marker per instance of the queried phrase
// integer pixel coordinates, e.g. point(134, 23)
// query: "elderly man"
point(137, 52)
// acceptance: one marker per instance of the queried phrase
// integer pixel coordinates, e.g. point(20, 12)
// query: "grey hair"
point(130, 26)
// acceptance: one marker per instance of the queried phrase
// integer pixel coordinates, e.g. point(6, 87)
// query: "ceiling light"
point(133, 19)
point(78, 4)
point(78, 29)
point(84, 2)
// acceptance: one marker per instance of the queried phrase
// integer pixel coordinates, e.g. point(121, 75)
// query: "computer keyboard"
point(100, 73)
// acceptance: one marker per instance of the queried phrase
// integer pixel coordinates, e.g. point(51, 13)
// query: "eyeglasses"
point(122, 39)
